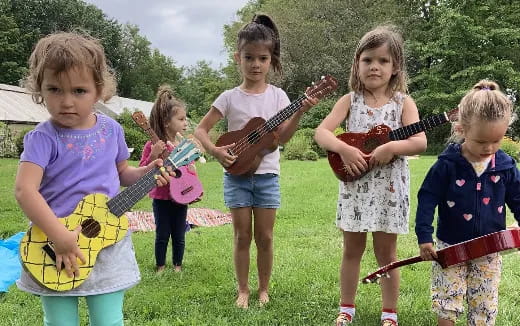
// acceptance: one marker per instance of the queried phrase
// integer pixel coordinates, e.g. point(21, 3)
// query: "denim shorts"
point(258, 190)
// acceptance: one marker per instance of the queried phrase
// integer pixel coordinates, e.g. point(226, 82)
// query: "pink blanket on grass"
point(144, 221)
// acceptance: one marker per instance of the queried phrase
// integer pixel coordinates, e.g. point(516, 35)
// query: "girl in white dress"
point(378, 202)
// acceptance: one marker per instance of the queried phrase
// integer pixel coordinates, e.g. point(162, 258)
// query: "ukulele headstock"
point(453, 115)
point(140, 119)
point(325, 86)
point(184, 153)
point(375, 277)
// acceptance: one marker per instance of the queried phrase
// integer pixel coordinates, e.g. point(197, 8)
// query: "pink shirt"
point(238, 107)
point(157, 192)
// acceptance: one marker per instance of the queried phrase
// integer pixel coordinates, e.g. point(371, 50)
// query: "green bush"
point(511, 147)
point(297, 146)
point(19, 140)
point(134, 135)
point(310, 155)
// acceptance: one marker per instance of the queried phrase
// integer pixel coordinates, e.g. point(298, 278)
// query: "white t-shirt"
point(238, 107)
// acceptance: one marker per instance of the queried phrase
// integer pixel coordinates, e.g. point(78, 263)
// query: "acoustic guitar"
point(379, 135)
point(259, 137)
point(185, 186)
point(102, 221)
point(459, 253)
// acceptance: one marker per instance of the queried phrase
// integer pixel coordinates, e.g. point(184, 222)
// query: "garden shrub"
point(19, 140)
point(310, 155)
point(511, 147)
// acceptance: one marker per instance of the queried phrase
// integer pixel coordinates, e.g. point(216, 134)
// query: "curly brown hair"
point(63, 51)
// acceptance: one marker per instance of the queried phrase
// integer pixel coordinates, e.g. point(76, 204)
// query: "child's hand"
point(223, 156)
point(158, 148)
point(382, 155)
point(427, 251)
point(67, 252)
point(308, 103)
point(164, 178)
point(353, 160)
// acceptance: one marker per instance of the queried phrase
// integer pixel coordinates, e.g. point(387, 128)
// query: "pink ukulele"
point(185, 186)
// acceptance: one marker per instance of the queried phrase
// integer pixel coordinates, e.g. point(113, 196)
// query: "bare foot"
point(242, 300)
point(159, 269)
point(263, 298)
point(177, 269)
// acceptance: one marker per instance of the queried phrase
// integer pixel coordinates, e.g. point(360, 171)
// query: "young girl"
point(168, 117)
point(75, 153)
point(379, 201)
point(258, 195)
point(469, 185)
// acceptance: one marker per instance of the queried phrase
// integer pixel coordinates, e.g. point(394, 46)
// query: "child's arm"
point(128, 175)
point(352, 157)
point(202, 134)
point(512, 198)
point(428, 198)
point(151, 152)
point(287, 129)
point(413, 145)
point(32, 203)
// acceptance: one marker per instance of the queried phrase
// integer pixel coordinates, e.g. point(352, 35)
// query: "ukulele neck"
point(417, 127)
point(284, 114)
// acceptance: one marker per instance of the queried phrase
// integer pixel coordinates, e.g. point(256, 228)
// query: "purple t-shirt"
point(76, 162)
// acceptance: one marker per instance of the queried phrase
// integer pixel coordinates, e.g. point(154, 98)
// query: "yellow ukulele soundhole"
point(100, 229)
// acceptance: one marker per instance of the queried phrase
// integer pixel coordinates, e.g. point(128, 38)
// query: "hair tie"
point(485, 88)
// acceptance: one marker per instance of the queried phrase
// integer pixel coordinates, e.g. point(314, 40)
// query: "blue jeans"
point(170, 221)
point(258, 190)
point(103, 310)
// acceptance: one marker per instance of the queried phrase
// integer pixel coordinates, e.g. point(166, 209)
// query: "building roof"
point(17, 106)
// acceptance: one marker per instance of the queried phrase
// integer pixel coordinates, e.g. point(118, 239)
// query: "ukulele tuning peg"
point(387, 275)
point(322, 77)
point(202, 160)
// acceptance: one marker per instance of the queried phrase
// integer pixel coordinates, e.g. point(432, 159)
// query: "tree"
point(199, 87)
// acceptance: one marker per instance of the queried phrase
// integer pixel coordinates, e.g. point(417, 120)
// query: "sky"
point(187, 31)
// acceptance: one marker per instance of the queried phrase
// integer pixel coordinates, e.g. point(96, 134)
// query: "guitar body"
point(250, 146)
point(100, 229)
point(479, 247)
point(365, 142)
point(461, 252)
point(185, 186)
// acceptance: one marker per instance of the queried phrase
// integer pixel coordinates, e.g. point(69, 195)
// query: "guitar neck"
point(417, 127)
point(385, 269)
point(127, 198)
point(284, 114)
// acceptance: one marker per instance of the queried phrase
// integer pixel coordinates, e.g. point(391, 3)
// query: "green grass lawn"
point(304, 286)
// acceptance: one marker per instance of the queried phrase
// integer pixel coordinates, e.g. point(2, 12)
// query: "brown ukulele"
point(379, 135)
point(259, 136)
point(459, 253)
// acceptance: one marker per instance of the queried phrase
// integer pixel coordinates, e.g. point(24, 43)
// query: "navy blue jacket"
point(468, 206)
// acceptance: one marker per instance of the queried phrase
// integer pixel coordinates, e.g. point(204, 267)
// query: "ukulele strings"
point(243, 143)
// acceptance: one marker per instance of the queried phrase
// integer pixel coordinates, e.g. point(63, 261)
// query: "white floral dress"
point(380, 200)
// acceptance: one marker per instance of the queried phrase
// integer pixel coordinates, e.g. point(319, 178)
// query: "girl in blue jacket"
point(470, 185)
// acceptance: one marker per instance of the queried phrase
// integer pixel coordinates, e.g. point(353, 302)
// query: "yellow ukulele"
point(103, 223)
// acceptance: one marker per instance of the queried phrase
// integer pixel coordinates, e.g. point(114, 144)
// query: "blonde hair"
point(484, 102)
point(164, 108)
point(377, 37)
point(63, 51)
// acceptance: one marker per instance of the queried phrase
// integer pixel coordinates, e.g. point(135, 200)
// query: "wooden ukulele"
point(258, 137)
point(185, 186)
point(102, 221)
point(379, 135)
point(459, 253)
